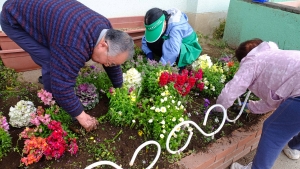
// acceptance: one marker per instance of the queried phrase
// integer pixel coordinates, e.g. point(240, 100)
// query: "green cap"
point(154, 30)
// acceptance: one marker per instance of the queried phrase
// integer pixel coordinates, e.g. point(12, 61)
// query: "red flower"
point(230, 63)
point(163, 79)
point(200, 86)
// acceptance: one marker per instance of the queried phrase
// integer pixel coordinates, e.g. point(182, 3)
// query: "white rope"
point(195, 125)
point(133, 157)
point(242, 109)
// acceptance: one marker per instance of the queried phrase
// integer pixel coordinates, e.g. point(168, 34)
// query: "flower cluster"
point(56, 143)
point(20, 115)
point(48, 136)
point(230, 67)
point(88, 95)
point(35, 148)
point(202, 62)
point(53, 146)
point(183, 82)
point(46, 97)
point(132, 78)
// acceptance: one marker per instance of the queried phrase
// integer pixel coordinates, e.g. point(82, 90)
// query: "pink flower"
point(46, 97)
point(3, 123)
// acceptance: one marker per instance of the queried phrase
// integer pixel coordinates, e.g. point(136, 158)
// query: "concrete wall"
point(204, 15)
point(268, 21)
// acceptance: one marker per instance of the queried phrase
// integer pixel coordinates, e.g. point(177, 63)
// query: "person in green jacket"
point(169, 36)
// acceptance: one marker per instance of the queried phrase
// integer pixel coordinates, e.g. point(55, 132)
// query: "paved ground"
point(281, 163)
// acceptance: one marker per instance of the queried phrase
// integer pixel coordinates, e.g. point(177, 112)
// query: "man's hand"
point(88, 122)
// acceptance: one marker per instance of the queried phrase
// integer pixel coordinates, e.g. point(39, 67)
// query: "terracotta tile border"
point(226, 149)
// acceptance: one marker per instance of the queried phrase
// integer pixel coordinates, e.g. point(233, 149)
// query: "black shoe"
point(40, 79)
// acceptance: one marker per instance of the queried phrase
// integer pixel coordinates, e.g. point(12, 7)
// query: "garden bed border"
point(226, 150)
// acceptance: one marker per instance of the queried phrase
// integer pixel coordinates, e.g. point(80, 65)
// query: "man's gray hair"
point(119, 42)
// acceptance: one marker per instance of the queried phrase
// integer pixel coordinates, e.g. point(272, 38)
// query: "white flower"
point(157, 109)
point(175, 135)
point(133, 121)
point(163, 126)
point(177, 129)
point(120, 113)
point(190, 129)
point(152, 108)
point(132, 78)
point(203, 62)
point(223, 78)
point(226, 68)
point(173, 101)
point(20, 114)
point(181, 107)
point(166, 87)
point(163, 122)
point(216, 120)
point(162, 100)
point(168, 106)
point(150, 121)
point(163, 109)
point(165, 99)
point(163, 94)
point(212, 87)
point(181, 119)
point(164, 131)
point(161, 136)
point(173, 119)
point(178, 103)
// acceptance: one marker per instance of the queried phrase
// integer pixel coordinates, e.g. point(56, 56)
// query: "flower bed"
point(153, 99)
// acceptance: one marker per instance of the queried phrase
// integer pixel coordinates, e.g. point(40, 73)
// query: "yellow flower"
point(140, 133)
point(133, 98)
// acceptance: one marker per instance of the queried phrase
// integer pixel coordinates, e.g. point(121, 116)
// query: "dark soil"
point(121, 149)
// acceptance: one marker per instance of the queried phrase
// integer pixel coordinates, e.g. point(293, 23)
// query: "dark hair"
point(245, 47)
point(118, 42)
point(153, 14)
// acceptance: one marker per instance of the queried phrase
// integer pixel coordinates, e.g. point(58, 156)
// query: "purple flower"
point(226, 58)
point(206, 103)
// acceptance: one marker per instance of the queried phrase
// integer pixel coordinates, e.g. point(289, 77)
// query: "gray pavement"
point(281, 163)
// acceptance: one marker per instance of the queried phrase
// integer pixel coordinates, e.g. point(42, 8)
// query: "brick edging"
point(225, 150)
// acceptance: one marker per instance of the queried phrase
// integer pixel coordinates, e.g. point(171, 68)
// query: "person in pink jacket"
point(273, 75)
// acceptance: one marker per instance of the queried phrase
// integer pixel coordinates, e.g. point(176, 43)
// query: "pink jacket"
point(270, 73)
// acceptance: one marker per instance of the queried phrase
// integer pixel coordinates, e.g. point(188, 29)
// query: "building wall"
point(268, 21)
point(204, 15)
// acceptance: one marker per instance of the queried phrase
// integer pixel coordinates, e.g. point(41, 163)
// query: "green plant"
point(103, 150)
point(96, 76)
point(5, 143)
point(219, 31)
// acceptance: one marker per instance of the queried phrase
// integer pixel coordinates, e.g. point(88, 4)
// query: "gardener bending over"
point(169, 36)
point(61, 36)
point(272, 75)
